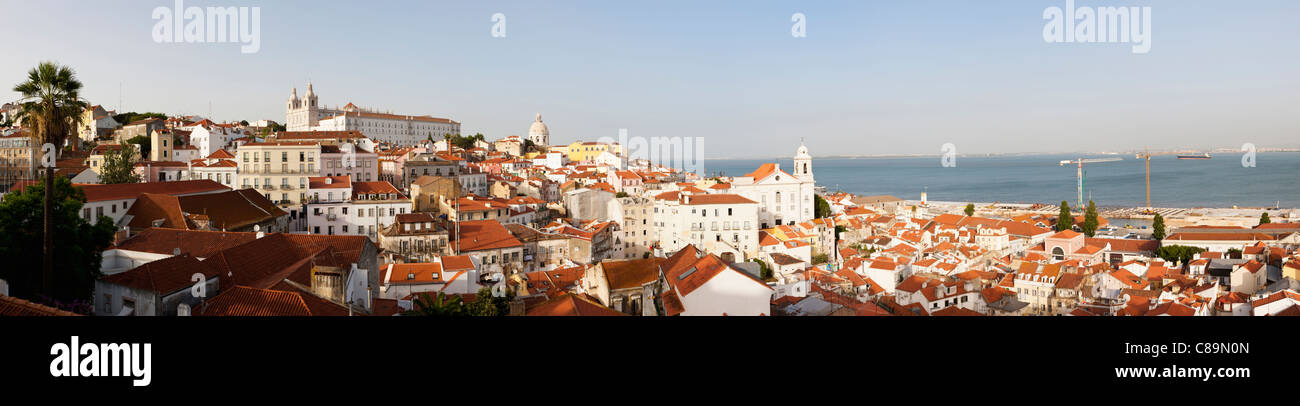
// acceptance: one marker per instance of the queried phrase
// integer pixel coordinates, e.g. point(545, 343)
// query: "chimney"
point(329, 180)
point(121, 235)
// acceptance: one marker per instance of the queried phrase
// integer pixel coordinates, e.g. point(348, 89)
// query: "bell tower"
point(803, 164)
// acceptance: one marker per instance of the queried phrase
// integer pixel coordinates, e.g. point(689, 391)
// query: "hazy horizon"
point(870, 78)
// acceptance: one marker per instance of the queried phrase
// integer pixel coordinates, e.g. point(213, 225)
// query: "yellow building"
point(588, 151)
point(278, 170)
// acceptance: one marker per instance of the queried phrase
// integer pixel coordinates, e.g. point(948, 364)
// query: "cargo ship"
point(1202, 156)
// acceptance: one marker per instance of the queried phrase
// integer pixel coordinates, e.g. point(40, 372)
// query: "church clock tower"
point(803, 164)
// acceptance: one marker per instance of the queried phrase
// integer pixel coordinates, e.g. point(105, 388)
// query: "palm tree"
point(442, 305)
point(50, 108)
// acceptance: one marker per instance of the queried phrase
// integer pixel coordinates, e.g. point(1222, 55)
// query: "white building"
point(338, 206)
point(349, 160)
point(445, 274)
point(209, 137)
point(306, 114)
point(783, 198)
point(717, 223)
point(222, 171)
point(708, 286)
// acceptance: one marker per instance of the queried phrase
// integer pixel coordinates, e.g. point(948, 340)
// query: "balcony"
point(331, 217)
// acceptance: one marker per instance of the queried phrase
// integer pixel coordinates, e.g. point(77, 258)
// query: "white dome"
point(538, 128)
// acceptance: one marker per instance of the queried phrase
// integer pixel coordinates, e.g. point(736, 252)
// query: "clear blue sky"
point(872, 77)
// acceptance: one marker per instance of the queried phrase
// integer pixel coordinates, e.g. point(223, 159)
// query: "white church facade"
point(306, 114)
point(783, 197)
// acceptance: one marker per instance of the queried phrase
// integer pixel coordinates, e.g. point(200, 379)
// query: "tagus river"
point(1218, 182)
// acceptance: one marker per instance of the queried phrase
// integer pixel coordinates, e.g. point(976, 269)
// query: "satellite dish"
point(176, 251)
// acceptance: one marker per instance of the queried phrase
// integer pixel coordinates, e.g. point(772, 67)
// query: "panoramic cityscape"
point(314, 183)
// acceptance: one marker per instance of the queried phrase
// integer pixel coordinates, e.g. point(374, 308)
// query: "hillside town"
point(352, 211)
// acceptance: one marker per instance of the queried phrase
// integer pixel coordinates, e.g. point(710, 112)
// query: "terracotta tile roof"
point(12, 306)
point(687, 275)
point(318, 135)
point(329, 182)
point(1171, 309)
point(480, 235)
point(151, 206)
point(232, 210)
point(783, 259)
point(220, 154)
point(955, 311)
point(281, 144)
point(163, 276)
point(427, 272)
point(246, 301)
point(377, 187)
point(764, 171)
point(703, 199)
point(268, 260)
point(426, 118)
point(200, 244)
point(627, 274)
point(673, 304)
point(1281, 295)
point(123, 191)
point(570, 304)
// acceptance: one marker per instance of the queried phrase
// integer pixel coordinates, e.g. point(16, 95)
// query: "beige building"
point(138, 128)
point(414, 236)
point(278, 170)
point(427, 191)
point(17, 159)
point(162, 145)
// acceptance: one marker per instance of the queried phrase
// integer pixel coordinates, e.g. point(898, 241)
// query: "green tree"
point(440, 305)
point(1263, 219)
point(1065, 220)
point(970, 209)
point(142, 143)
point(488, 304)
point(51, 107)
point(529, 146)
point(79, 246)
point(764, 272)
point(1090, 221)
point(1158, 227)
point(620, 194)
point(243, 123)
point(821, 209)
point(128, 117)
point(820, 259)
point(119, 167)
point(1178, 253)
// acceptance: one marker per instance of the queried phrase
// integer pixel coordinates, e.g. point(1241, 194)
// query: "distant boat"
point(1202, 156)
